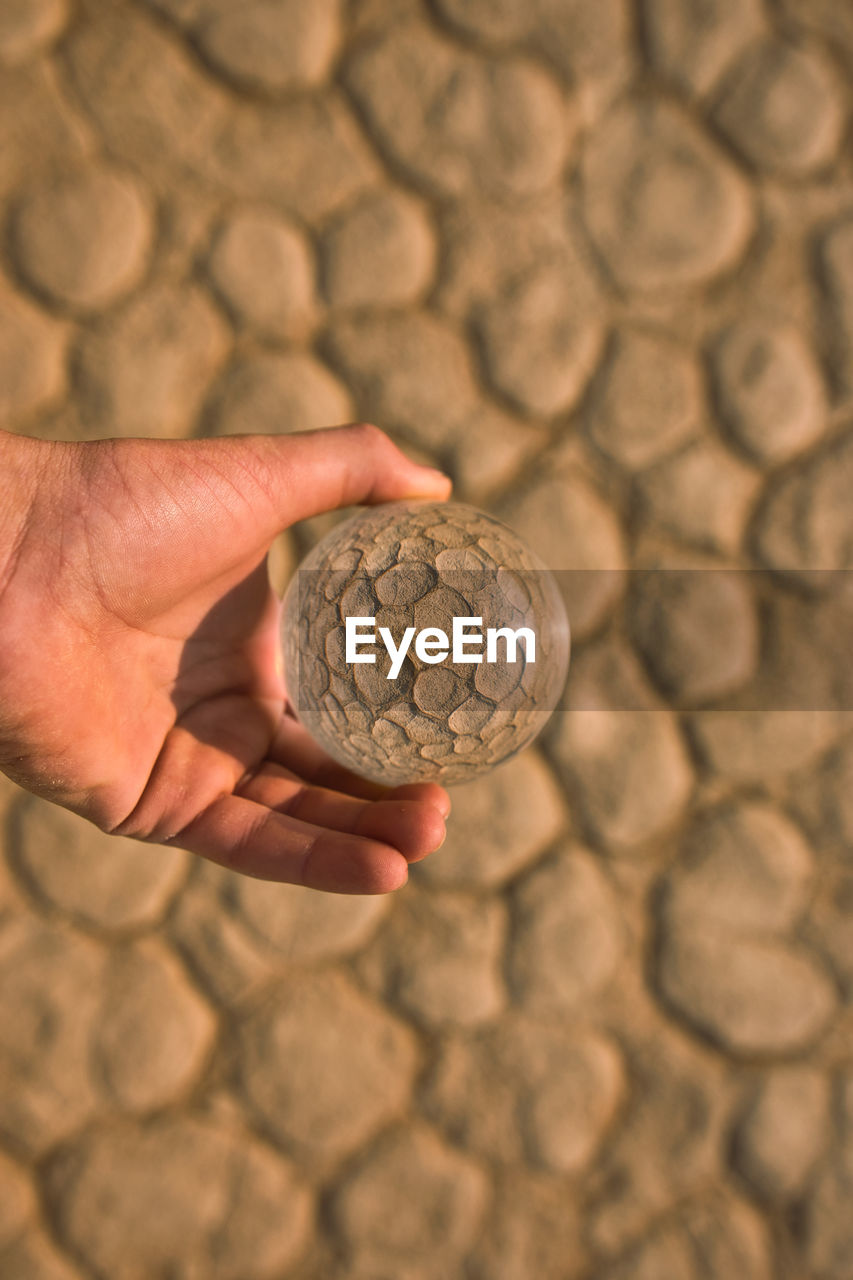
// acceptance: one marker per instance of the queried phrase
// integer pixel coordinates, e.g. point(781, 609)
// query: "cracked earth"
point(595, 258)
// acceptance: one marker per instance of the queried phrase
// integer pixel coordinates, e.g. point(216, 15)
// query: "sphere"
point(423, 641)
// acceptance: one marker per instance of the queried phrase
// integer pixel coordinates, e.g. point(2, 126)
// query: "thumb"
point(315, 471)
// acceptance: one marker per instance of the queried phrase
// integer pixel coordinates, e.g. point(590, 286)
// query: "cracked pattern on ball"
point(418, 564)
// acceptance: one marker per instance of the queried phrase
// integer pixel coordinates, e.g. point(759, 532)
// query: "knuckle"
point(373, 435)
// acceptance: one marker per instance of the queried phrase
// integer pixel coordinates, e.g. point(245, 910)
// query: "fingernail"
point(433, 476)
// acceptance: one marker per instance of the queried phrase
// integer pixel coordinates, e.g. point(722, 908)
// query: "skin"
point(139, 673)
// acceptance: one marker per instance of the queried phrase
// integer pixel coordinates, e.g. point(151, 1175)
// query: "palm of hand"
point(161, 629)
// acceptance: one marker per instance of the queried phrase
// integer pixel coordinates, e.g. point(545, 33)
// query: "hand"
point(138, 668)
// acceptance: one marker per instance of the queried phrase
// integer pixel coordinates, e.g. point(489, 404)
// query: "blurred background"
point(595, 257)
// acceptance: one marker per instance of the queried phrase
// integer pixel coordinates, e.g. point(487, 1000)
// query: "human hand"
point(139, 683)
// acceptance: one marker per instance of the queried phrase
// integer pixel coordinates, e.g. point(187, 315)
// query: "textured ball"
point(407, 567)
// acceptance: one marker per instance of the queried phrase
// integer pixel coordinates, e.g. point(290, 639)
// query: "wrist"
point(20, 462)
